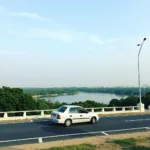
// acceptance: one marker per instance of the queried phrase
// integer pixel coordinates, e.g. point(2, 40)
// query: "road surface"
point(44, 130)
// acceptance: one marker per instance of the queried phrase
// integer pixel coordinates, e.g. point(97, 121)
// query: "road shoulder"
point(96, 140)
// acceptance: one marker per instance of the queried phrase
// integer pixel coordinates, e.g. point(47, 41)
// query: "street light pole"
point(139, 69)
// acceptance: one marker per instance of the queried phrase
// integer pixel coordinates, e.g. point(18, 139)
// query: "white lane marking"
point(40, 140)
point(104, 133)
point(148, 128)
point(23, 122)
point(65, 135)
point(126, 115)
point(45, 120)
point(137, 120)
point(14, 122)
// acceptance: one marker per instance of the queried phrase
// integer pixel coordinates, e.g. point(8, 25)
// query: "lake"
point(98, 97)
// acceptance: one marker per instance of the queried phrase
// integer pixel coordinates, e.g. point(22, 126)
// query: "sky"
point(55, 43)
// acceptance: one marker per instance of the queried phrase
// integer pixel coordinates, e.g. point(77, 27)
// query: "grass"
point(75, 147)
point(130, 144)
point(124, 144)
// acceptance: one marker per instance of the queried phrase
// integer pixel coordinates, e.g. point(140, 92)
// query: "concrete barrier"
point(35, 114)
point(115, 110)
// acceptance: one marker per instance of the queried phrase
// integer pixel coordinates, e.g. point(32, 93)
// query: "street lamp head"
point(138, 44)
point(144, 39)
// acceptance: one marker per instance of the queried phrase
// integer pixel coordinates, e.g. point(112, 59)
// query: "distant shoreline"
point(53, 95)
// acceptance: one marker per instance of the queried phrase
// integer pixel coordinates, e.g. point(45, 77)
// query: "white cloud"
point(64, 35)
point(44, 33)
point(96, 39)
point(30, 15)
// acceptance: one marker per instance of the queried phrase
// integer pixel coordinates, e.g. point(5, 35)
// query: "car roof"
point(71, 106)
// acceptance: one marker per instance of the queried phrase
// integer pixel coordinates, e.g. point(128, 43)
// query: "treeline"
point(49, 91)
point(14, 99)
point(131, 101)
point(130, 91)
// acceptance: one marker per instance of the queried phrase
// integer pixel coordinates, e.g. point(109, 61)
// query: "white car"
point(69, 114)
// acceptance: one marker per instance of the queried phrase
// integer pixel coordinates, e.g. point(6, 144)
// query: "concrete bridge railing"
point(35, 114)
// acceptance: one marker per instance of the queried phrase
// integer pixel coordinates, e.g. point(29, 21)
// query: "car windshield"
point(62, 109)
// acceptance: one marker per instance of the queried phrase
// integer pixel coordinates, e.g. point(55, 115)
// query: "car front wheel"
point(68, 123)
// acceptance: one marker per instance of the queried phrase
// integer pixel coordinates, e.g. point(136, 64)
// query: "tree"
point(115, 102)
point(146, 99)
point(129, 101)
point(13, 99)
point(42, 104)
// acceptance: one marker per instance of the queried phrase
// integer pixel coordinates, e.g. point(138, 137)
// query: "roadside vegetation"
point(133, 144)
point(131, 101)
point(123, 144)
point(75, 147)
point(15, 99)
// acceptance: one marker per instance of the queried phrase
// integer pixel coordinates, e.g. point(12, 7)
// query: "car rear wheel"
point(93, 120)
point(68, 123)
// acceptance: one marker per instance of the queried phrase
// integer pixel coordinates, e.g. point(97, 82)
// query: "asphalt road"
point(44, 130)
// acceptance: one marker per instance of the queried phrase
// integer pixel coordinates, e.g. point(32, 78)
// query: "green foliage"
point(130, 144)
point(48, 91)
point(131, 101)
point(138, 148)
point(146, 99)
point(41, 104)
point(126, 142)
point(89, 103)
point(75, 147)
point(115, 90)
point(15, 99)
point(115, 102)
point(73, 90)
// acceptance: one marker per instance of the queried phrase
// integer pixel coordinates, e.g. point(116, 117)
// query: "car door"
point(84, 115)
point(74, 115)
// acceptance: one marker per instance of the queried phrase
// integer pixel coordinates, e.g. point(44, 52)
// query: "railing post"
point(132, 108)
point(103, 110)
point(5, 115)
point(42, 113)
point(24, 114)
point(141, 106)
point(114, 109)
point(123, 109)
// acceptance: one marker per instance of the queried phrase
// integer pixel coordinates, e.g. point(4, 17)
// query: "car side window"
point(82, 110)
point(73, 110)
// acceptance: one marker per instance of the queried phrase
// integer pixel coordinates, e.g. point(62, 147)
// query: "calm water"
point(98, 97)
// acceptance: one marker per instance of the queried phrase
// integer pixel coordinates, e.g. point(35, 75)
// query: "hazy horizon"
point(145, 86)
point(74, 43)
